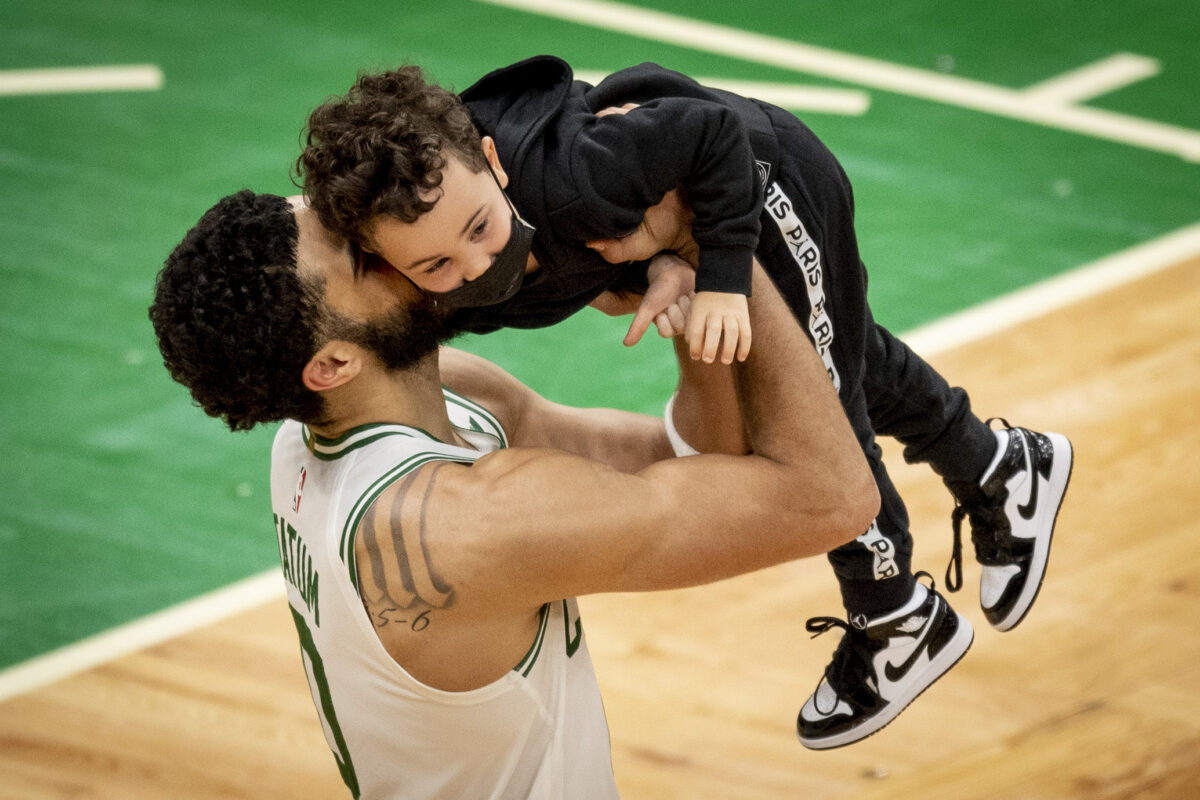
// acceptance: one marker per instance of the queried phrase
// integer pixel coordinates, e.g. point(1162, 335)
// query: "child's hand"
point(667, 299)
point(717, 314)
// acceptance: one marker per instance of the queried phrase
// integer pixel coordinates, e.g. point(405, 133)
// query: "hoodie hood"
point(514, 104)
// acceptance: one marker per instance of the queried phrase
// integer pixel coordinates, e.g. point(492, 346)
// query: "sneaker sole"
point(1047, 516)
point(950, 655)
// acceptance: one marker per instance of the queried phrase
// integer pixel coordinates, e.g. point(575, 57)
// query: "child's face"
point(455, 241)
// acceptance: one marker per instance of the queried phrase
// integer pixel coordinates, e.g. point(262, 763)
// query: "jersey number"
point(315, 667)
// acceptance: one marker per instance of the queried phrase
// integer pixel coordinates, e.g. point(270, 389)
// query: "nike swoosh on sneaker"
point(1029, 508)
point(894, 672)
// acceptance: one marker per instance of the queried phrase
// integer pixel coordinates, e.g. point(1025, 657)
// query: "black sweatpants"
point(809, 249)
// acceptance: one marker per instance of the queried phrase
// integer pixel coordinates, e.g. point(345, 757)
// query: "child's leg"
point(907, 399)
point(1009, 483)
point(874, 572)
point(901, 636)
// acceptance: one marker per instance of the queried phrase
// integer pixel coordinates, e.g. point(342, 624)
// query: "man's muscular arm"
point(621, 439)
point(562, 526)
point(472, 552)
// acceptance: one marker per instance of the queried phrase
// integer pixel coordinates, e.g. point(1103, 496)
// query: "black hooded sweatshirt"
point(577, 177)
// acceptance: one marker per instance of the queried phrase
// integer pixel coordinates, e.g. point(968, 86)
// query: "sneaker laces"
point(987, 518)
point(850, 668)
point(954, 582)
point(850, 671)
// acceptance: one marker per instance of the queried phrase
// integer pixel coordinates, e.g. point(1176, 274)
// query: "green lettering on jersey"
point(314, 665)
point(298, 566)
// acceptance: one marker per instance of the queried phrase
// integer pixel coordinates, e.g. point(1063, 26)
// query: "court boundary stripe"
point(66, 80)
point(952, 331)
point(901, 79)
point(1093, 80)
point(141, 633)
point(1051, 294)
point(792, 96)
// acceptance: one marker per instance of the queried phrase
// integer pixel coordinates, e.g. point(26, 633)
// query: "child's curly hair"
point(379, 148)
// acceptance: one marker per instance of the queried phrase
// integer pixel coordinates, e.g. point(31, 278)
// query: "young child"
point(508, 203)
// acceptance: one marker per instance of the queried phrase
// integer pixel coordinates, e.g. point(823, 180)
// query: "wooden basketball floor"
point(1095, 695)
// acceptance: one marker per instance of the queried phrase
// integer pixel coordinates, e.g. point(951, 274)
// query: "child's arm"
point(696, 146)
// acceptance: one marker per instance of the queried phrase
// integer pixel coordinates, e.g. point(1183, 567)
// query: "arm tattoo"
point(391, 542)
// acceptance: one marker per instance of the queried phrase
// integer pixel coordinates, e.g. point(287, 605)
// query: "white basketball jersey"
point(538, 732)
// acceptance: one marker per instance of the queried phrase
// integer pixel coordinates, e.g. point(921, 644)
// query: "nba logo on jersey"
point(299, 489)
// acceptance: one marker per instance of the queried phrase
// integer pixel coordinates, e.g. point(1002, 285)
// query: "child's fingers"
point(712, 339)
point(743, 349)
point(731, 341)
point(694, 336)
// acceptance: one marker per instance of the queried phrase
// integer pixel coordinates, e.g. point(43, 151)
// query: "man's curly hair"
point(235, 322)
point(376, 150)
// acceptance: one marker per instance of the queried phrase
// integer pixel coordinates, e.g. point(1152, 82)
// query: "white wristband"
point(680, 447)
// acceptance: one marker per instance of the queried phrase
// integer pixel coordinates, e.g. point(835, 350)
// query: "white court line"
point(1044, 297)
point(135, 77)
point(851, 102)
point(947, 333)
point(141, 633)
point(1093, 80)
point(926, 84)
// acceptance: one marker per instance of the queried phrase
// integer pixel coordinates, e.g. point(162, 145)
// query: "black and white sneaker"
point(1012, 510)
point(880, 666)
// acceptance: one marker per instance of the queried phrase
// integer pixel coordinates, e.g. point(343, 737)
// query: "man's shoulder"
point(480, 393)
point(288, 441)
point(475, 422)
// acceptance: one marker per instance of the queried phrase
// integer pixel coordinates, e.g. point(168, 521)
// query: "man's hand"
point(667, 300)
point(625, 109)
point(717, 315)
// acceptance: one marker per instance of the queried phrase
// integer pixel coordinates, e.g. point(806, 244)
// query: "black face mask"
point(504, 277)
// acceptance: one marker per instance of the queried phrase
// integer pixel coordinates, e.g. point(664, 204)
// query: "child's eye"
point(480, 228)
point(435, 266)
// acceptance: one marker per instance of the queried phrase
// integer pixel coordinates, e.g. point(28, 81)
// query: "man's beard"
point(403, 337)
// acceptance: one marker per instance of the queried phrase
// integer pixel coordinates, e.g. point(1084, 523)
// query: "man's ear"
point(335, 364)
point(493, 159)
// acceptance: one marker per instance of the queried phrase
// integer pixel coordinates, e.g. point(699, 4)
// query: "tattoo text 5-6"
point(383, 617)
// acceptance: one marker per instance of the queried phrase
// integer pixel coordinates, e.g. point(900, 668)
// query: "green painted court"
point(990, 147)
